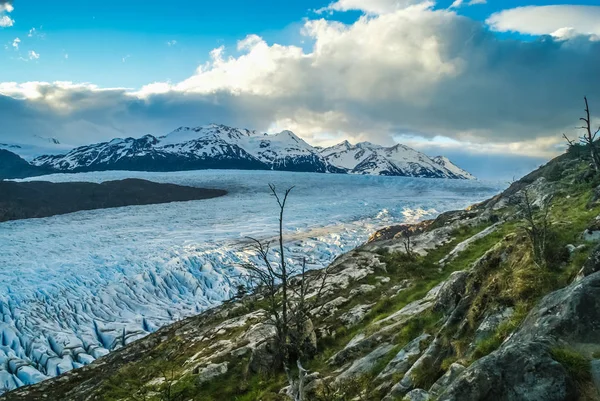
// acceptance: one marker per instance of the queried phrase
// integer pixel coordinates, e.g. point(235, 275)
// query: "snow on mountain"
point(221, 147)
point(398, 160)
point(446, 163)
point(30, 147)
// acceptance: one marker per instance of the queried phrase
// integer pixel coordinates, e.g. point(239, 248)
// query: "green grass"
point(577, 365)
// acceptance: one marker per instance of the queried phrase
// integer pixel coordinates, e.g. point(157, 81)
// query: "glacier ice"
point(77, 286)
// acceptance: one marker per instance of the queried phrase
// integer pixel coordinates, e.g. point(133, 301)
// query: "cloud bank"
point(402, 70)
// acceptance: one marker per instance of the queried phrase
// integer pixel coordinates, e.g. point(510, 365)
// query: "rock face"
point(523, 369)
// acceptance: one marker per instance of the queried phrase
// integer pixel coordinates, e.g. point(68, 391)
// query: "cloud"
point(33, 55)
point(124, 59)
point(548, 20)
point(460, 3)
point(171, 43)
point(374, 7)
point(6, 7)
point(15, 43)
point(412, 72)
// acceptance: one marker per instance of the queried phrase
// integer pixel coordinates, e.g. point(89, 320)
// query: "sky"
point(491, 84)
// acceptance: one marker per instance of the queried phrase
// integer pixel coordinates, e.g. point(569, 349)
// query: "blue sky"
point(97, 36)
point(491, 83)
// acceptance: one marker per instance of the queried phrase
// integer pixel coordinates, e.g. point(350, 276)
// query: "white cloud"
point(374, 7)
point(6, 21)
point(124, 59)
point(548, 20)
point(33, 55)
point(15, 43)
point(460, 3)
point(171, 43)
point(6, 7)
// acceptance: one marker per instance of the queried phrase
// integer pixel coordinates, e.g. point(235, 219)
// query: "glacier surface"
point(77, 286)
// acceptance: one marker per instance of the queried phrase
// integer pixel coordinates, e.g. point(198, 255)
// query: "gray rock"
point(417, 395)
point(365, 364)
point(355, 315)
point(405, 358)
point(523, 369)
point(491, 322)
point(210, 372)
point(264, 358)
point(516, 372)
point(430, 360)
point(443, 382)
point(451, 292)
point(362, 289)
point(591, 265)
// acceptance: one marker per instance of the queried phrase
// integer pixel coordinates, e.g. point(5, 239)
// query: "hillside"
point(13, 166)
point(471, 314)
point(24, 200)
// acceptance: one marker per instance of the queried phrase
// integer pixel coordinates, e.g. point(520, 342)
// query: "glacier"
point(76, 287)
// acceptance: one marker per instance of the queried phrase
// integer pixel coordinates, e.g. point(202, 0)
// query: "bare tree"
point(589, 136)
point(293, 295)
point(407, 235)
point(537, 225)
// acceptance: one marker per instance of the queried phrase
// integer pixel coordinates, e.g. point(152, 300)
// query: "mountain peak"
point(220, 146)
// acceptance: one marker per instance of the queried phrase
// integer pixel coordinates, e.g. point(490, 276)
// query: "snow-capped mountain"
point(398, 160)
point(221, 147)
point(445, 162)
point(30, 147)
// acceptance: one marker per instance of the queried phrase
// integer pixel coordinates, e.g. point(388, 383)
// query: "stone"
point(365, 364)
point(417, 395)
point(355, 315)
point(465, 244)
point(591, 265)
point(523, 369)
point(210, 372)
point(515, 372)
point(404, 358)
point(443, 382)
point(491, 322)
point(451, 292)
point(429, 361)
point(362, 289)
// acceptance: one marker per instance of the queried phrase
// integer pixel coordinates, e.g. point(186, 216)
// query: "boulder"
point(405, 358)
point(523, 369)
point(443, 382)
point(365, 364)
point(417, 395)
point(516, 372)
point(430, 361)
point(451, 292)
point(591, 265)
point(210, 372)
point(355, 315)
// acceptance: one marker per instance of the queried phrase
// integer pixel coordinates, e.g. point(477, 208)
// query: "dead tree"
point(407, 235)
point(536, 225)
point(589, 136)
point(293, 295)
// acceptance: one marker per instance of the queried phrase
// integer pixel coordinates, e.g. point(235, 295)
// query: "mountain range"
point(222, 147)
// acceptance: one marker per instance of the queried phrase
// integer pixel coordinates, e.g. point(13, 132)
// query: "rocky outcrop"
point(523, 368)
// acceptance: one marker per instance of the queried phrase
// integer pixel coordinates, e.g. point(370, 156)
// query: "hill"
point(24, 200)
